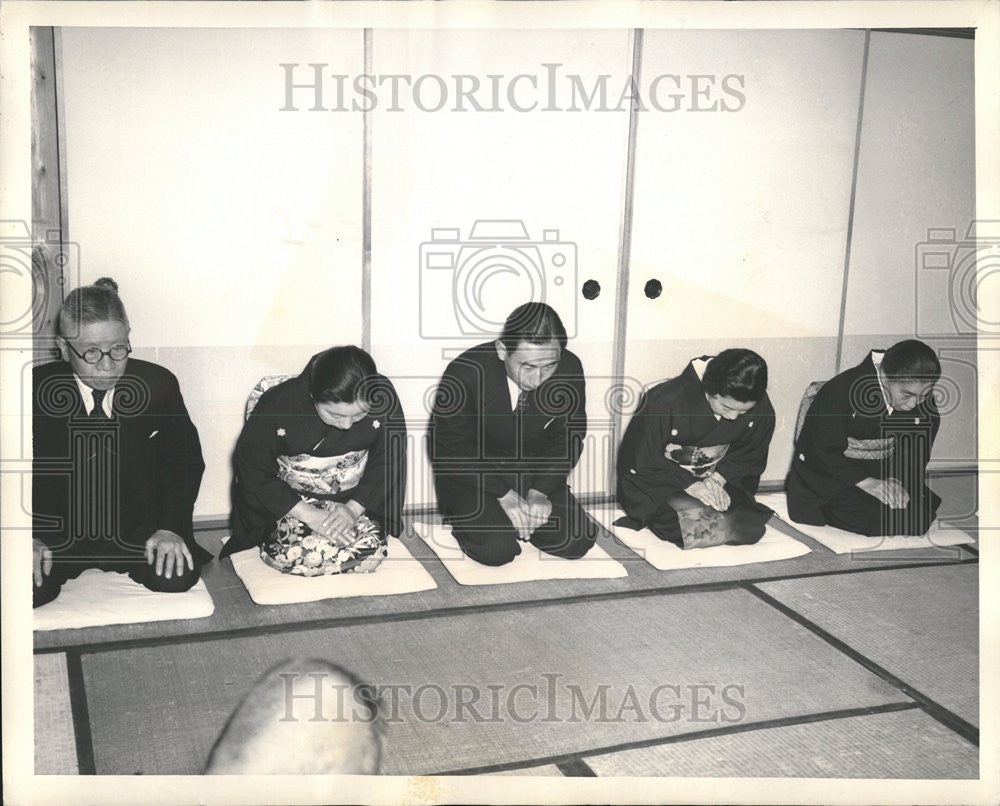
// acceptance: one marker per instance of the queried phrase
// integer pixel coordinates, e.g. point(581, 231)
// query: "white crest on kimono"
point(750, 424)
point(281, 432)
point(673, 432)
point(376, 424)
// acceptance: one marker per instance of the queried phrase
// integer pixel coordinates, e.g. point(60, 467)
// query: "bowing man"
point(693, 453)
point(117, 461)
point(861, 458)
point(506, 429)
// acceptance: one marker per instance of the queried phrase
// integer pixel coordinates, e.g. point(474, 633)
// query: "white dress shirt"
point(88, 397)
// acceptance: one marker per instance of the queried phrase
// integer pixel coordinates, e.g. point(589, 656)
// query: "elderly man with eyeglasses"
point(117, 461)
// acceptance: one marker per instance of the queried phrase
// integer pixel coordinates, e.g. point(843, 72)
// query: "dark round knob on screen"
point(653, 289)
point(591, 289)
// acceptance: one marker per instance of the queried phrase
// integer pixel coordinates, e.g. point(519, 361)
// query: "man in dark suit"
point(117, 461)
point(507, 428)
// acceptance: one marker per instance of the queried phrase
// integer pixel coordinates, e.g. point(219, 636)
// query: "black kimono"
point(481, 449)
point(673, 440)
point(849, 435)
point(102, 487)
point(366, 463)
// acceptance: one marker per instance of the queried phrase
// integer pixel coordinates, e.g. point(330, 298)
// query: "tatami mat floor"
point(817, 666)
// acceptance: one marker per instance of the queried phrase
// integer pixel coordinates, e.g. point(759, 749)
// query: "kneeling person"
point(861, 458)
point(693, 453)
point(506, 430)
point(320, 469)
point(117, 461)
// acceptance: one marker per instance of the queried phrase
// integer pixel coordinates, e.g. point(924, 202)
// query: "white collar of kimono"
point(88, 396)
point(877, 356)
point(700, 365)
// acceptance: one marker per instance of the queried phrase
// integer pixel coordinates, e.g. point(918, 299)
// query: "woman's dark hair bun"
point(107, 284)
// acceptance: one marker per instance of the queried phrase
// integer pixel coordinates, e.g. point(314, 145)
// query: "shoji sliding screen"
point(529, 164)
point(742, 205)
point(232, 227)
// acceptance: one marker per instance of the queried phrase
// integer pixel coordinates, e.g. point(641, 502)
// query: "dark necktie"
point(98, 410)
point(520, 409)
point(522, 404)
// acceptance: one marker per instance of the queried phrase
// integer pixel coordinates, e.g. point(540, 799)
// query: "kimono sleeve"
point(255, 462)
point(645, 476)
point(382, 488)
point(824, 439)
point(747, 458)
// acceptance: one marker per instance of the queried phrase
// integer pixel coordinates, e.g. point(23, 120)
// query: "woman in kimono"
point(861, 458)
point(320, 469)
point(693, 453)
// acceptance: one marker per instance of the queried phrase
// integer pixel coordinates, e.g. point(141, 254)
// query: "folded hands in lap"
point(526, 513)
point(711, 491)
point(889, 491)
point(336, 523)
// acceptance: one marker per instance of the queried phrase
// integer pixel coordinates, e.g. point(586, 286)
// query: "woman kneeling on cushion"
point(694, 451)
point(320, 469)
point(861, 458)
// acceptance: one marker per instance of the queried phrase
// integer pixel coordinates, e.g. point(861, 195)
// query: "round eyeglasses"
point(93, 355)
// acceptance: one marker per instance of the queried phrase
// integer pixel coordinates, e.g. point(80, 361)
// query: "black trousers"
point(856, 511)
point(486, 535)
point(108, 556)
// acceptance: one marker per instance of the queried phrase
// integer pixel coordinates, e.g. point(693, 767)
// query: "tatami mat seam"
point(708, 733)
point(933, 709)
point(81, 714)
point(576, 767)
point(267, 629)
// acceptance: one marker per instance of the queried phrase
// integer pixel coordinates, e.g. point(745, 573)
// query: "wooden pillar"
point(53, 260)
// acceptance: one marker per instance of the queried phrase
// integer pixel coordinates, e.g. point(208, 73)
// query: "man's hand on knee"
point(41, 561)
point(169, 552)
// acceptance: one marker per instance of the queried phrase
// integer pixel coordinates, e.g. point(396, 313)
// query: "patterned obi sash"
point(322, 475)
point(869, 449)
point(293, 548)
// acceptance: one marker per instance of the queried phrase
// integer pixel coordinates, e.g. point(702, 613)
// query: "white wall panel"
point(233, 228)
point(548, 170)
point(207, 203)
point(915, 173)
point(742, 215)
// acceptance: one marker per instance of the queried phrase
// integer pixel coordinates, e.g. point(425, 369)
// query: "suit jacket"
point(848, 435)
point(477, 444)
point(674, 439)
point(150, 446)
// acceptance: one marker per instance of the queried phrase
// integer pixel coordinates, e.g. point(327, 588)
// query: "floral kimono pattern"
point(294, 548)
